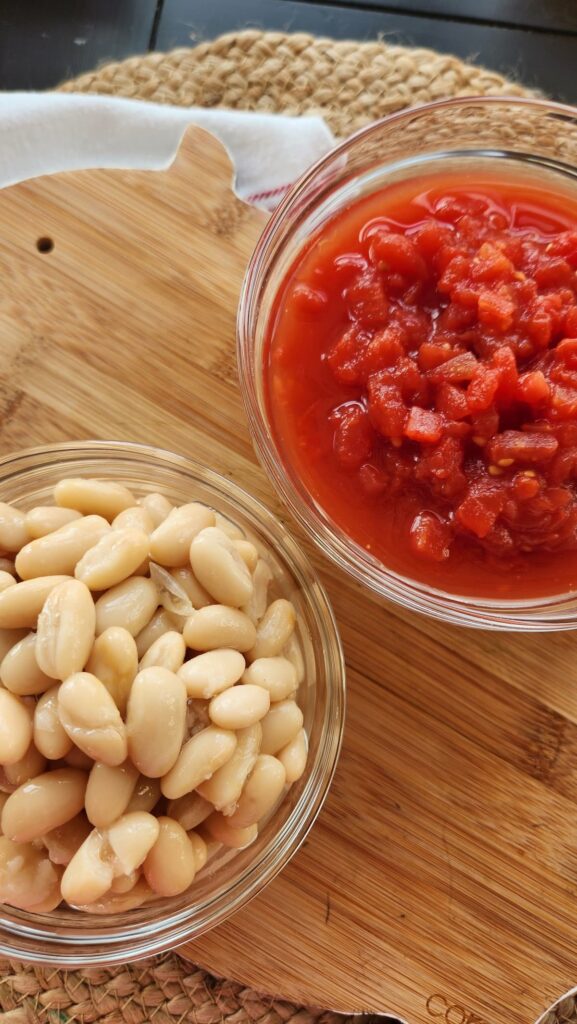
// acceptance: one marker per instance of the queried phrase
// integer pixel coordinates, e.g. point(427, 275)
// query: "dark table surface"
point(534, 41)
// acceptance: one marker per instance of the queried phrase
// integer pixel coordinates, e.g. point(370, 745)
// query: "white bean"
point(280, 726)
point(65, 633)
point(191, 809)
point(27, 878)
point(168, 652)
point(211, 673)
point(20, 672)
point(91, 718)
point(157, 506)
point(218, 828)
point(170, 866)
point(114, 660)
point(89, 873)
point(33, 763)
point(293, 757)
point(6, 580)
point(58, 552)
point(274, 630)
point(136, 518)
point(15, 728)
point(63, 842)
point(146, 795)
point(277, 675)
point(155, 720)
point(130, 604)
point(50, 736)
point(170, 542)
point(131, 838)
point(239, 706)
point(43, 803)
point(223, 790)
point(13, 529)
point(21, 605)
point(113, 559)
point(160, 623)
point(199, 849)
point(200, 757)
point(93, 497)
point(217, 626)
point(261, 792)
point(248, 553)
point(9, 638)
point(261, 579)
point(293, 652)
point(109, 791)
point(227, 526)
point(187, 582)
point(120, 902)
point(44, 519)
point(220, 569)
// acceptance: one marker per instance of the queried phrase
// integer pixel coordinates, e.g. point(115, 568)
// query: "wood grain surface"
point(440, 882)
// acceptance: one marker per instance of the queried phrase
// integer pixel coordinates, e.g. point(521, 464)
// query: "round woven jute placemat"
point(349, 84)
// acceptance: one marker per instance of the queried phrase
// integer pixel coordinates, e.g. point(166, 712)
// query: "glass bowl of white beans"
point(171, 701)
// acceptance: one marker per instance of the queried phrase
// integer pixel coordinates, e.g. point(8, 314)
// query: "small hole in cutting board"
point(45, 245)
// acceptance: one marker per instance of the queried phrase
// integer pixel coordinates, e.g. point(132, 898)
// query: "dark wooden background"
point(43, 42)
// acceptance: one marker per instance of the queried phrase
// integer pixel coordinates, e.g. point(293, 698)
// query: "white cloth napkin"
point(42, 133)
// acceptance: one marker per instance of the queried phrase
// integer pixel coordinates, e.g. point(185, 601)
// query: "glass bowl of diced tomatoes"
point(407, 344)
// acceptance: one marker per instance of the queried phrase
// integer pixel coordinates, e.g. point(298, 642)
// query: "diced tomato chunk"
point(533, 388)
point(452, 402)
point(387, 411)
point(496, 310)
point(432, 355)
point(479, 509)
point(517, 446)
point(373, 480)
point(423, 425)
point(430, 537)
point(385, 349)
point(345, 358)
point(354, 437)
point(482, 389)
point(398, 253)
point(366, 299)
point(566, 352)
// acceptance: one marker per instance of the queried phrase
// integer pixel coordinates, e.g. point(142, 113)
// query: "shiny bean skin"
point(114, 660)
point(218, 626)
point(186, 579)
point(155, 720)
point(130, 604)
point(145, 796)
point(91, 719)
point(160, 623)
point(224, 788)
point(46, 519)
point(280, 726)
point(65, 632)
point(190, 810)
point(200, 757)
point(248, 553)
point(293, 757)
point(167, 652)
point(261, 579)
point(220, 569)
point(15, 728)
point(261, 792)
point(13, 529)
point(170, 866)
point(58, 552)
point(93, 497)
point(125, 883)
point(88, 875)
point(115, 557)
point(50, 736)
point(131, 838)
point(157, 506)
point(277, 675)
point(9, 638)
point(218, 828)
point(211, 673)
point(20, 672)
point(170, 542)
point(33, 763)
point(108, 792)
point(274, 630)
point(27, 878)
point(6, 580)
point(21, 605)
point(43, 803)
point(239, 706)
point(136, 518)
point(63, 842)
point(199, 849)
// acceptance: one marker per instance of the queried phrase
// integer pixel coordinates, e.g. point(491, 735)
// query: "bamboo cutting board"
point(440, 883)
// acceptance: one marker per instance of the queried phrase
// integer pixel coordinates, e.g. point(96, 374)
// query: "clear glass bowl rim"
point(540, 614)
point(92, 943)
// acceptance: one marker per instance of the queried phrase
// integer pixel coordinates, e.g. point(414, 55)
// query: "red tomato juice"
point(421, 369)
